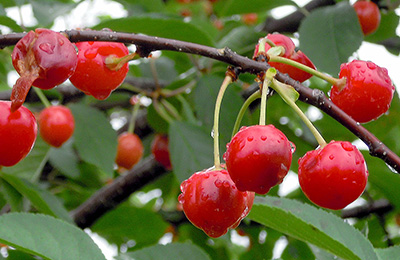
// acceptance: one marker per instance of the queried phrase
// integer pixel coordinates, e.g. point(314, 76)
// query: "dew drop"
point(226, 184)
point(331, 157)
point(347, 146)
point(90, 53)
point(292, 147)
point(204, 197)
point(61, 42)
point(47, 47)
point(218, 183)
point(250, 138)
point(181, 198)
point(263, 138)
point(371, 65)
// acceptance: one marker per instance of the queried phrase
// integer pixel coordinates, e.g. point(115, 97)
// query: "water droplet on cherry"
point(47, 47)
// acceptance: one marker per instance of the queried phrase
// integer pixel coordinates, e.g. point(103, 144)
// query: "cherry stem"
point(228, 80)
point(246, 104)
point(171, 109)
point(161, 111)
point(42, 97)
point(114, 63)
point(135, 110)
point(279, 88)
point(264, 93)
point(329, 79)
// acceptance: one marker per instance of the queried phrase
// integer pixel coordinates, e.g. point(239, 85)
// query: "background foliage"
point(148, 225)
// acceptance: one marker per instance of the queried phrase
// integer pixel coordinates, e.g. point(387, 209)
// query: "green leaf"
point(47, 237)
point(129, 223)
point(31, 167)
point(388, 253)
point(387, 28)
point(241, 39)
point(52, 10)
point(167, 252)
point(242, 7)
point(330, 35)
point(94, 138)
point(42, 200)
point(65, 160)
point(309, 224)
point(191, 149)
point(10, 23)
point(12, 196)
point(159, 26)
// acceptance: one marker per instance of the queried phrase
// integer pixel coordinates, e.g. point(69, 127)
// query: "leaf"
point(129, 223)
point(309, 224)
point(94, 138)
point(54, 9)
point(47, 237)
point(242, 7)
point(387, 27)
point(42, 200)
point(191, 149)
point(167, 252)
point(241, 39)
point(330, 35)
point(159, 26)
point(12, 196)
point(388, 253)
point(65, 160)
point(10, 23)
point(31, 167)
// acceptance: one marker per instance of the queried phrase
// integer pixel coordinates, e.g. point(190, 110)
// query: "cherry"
point(367, 93)
point(92, 76)
point(290, 53)
point(212, 202)
point(44, 59)
point(56, 125)
point(250, 18)
point(258, 158)
point(18, 132)
point(334, 176)
point(160, 151)
point(368, 15)
point(129, 150)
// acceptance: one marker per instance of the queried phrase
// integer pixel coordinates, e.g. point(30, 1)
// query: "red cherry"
point(290, 53)
point(18, 132)
point(258, 158)
point(44, 59)
point(56, 125)
point(92, 76)
point(129, 151)
point(368, 15)
point(367, 93)
point(250, 18)
point(160, 151)
point(334, 176)
point(212, 202)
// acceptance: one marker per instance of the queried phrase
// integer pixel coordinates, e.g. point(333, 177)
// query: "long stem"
point(224, 86)
point(243, 109)
point(42, 97)
point(161, 111)
point(329, 79)
point(135, 110)
point(263, 105)
point(278, 87)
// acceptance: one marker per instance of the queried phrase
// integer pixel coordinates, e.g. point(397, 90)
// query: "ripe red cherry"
point(56, 125)
point(334, 176)
point(368, 15)
point(129, 150)
point(44, 59)
point(92, 76)
point(18, 132)
point(250, 18)
point(367, 93)
point(290, 53)
point(160, 151)
point(212, 202)
point(258, 158)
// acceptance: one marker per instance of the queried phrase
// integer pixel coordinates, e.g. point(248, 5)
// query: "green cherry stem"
point(329, 79)
point(135, 110)
point(114, 63)
point(290, 95)
point(42, 97)
point(228, 80)
point(171, 109)
point(161, 111)
point(271, 72)
point(242, 111)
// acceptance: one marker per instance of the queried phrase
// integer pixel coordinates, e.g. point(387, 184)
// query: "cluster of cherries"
point(259, 157)
point(45, 59)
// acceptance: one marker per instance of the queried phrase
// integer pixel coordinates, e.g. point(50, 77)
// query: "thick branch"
point(118, 191)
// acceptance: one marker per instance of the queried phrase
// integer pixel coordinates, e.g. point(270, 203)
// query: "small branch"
point(118, 191)
point(377, 207)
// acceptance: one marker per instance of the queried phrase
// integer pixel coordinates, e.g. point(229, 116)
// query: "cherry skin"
point(211, 201)
point(290, 53)
point(129, 150)
point(367, 93)
point(18, 131)
point(334, 176)
point(56, 125)
point(92, 76)
point(368, 15)
point(258, 158)
point(160, 151)
point(44, 59)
